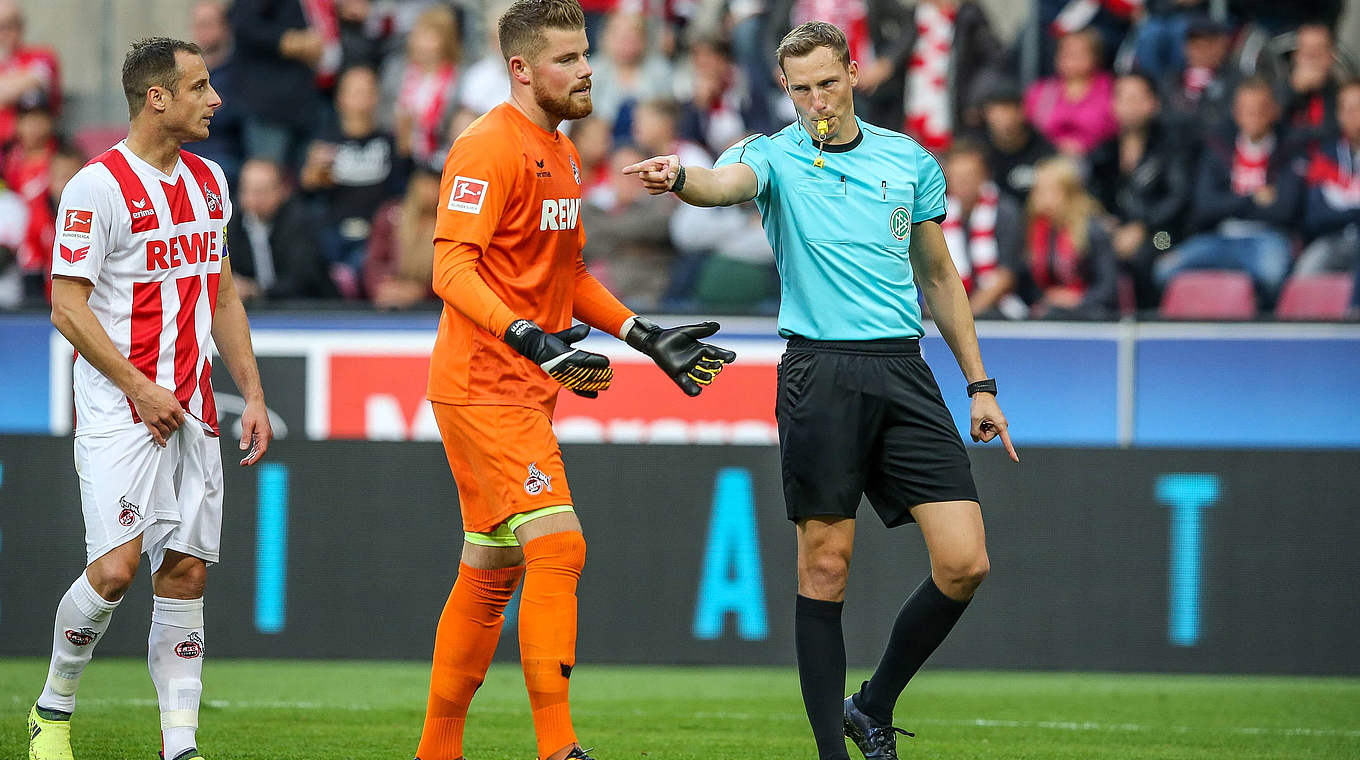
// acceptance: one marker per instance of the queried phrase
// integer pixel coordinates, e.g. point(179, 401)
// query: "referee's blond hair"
point(805, 38)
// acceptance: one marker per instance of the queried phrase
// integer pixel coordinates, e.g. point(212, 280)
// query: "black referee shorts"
point(865, 418)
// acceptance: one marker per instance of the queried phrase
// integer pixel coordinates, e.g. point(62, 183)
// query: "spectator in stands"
point(13, 226)
point(1331, 216)
point(1246, 197)
point(719, 110)
point(278, 58)
point(1197, 96)
point(1143, 178)
point(1309, 94)
point(36, 252)
point(211, 31)
point(701, 234)
point(1160, 45)
point(25, 167)
point(594, 142)
point(942, 54)
point(984, 230)
point(400, 267)
point(275, 251)
point(352, 169)
point(1013, 148)
point(628, 244)
point(486, 83)
point(1071, 272)
point(625, 72)
point(423, 86)
point(23, 69)
point(1074, 108)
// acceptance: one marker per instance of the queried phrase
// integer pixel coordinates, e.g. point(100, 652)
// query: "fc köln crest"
point(214, 201)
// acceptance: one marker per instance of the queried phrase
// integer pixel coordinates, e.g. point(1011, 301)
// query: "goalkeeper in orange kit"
point(508, 266)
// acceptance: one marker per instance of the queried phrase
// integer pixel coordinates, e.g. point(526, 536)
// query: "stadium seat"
point(1209, 294)
point(98, 138)
point(1318, 296)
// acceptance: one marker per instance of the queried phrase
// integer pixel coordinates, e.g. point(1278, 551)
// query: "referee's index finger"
point(650, 165)
point(1006, 439)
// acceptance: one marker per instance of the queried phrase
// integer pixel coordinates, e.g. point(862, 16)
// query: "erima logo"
point(538, 481)
point(140, 204)
point(560, 214)
point(539, 162)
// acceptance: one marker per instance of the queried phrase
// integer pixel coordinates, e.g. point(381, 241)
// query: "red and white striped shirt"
point(152, 244)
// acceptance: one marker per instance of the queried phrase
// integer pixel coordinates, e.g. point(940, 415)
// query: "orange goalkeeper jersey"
point(508, 241)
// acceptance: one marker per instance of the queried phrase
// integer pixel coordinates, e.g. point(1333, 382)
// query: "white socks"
point(82, 618)
point(175, 657)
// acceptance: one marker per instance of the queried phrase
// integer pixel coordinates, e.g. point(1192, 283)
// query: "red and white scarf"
point(929, 116)
point(1055, 260)
point(322, 19)
point(972, 245)
point(1336, 176)
point(1251, 162)
point(1195, 80)
point(426, 95)
point(849, 16)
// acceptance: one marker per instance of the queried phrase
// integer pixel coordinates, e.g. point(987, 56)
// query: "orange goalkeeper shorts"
point(505, 460)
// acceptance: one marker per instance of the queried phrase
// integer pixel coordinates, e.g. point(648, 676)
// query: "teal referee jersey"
point(840, 232)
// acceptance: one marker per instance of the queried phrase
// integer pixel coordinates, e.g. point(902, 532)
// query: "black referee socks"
point(821, 670)
point(926, 618)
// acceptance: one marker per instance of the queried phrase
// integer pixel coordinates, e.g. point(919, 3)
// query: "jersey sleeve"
point(754, 151)
point(595, 305)
point(930, 203)
point(479, 180)
point(85, 219)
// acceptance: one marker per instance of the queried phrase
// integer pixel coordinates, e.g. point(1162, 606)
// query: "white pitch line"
point(1055, 725)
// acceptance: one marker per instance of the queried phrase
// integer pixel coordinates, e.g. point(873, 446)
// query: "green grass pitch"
point(295, 710)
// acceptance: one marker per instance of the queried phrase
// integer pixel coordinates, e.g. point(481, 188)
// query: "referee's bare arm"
point(948, 302)
point(723, 186)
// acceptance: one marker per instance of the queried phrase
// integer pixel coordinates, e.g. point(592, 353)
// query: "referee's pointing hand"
point(657, 173)
point(989, 422)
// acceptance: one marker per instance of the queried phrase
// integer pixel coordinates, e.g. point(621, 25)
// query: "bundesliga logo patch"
point(76, 224)
point(467, 195)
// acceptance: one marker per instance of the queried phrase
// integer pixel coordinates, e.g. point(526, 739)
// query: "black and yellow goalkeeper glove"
point(678, 352)
point(582, 372)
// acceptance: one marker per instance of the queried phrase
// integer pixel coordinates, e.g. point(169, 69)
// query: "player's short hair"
point(522, 25)
point(151, 63)
point(805, 38)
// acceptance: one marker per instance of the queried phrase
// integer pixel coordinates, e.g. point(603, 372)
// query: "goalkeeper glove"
point(678, 352)
point(582, 372)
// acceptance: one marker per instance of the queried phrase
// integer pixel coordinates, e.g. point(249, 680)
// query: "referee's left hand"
point(989, 422)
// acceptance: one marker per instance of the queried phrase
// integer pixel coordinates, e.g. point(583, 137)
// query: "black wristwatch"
point(982, 386)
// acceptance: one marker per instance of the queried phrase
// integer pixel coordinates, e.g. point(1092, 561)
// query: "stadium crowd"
point(1159, 157)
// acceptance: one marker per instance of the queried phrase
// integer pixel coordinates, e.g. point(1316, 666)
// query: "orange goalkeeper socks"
point(464, 644)
point(547, 633)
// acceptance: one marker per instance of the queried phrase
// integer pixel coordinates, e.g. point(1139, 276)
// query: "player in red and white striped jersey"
point(142, 288)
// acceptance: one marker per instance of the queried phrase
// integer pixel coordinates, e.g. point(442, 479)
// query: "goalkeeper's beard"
point(566, 107)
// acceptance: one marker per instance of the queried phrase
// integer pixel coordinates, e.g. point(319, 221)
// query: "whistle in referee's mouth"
point(822, 127)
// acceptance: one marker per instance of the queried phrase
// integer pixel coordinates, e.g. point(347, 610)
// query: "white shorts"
point(170, 496)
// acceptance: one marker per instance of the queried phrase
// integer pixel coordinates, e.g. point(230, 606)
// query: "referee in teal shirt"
point(852, 212)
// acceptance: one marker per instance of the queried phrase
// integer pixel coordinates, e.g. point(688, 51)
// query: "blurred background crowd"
point(1111, 158)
